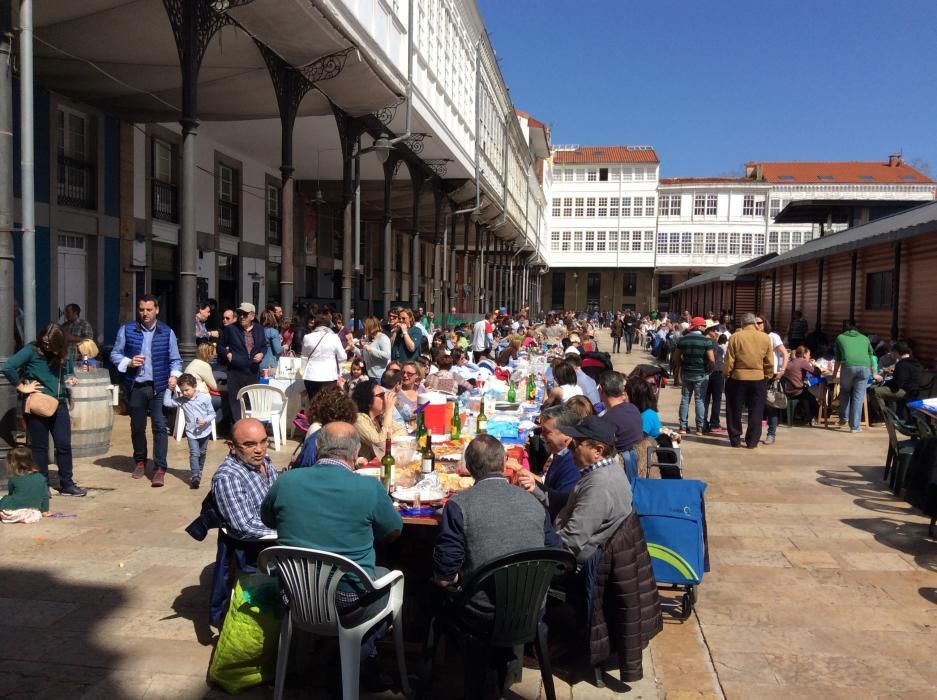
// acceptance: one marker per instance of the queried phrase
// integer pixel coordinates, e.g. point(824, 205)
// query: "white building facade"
point(696, 224)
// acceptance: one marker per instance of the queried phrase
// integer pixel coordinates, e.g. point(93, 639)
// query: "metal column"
point(7, 391)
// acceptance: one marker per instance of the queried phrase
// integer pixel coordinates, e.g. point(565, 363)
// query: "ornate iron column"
point(194, 23)
point(290, 86)
point(466, 225)
point(349, 130)
point(439, 250)
point(390, 168)
point(417, 179)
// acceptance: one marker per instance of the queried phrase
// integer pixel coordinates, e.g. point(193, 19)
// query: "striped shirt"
point(693, 348)
point(239, 490)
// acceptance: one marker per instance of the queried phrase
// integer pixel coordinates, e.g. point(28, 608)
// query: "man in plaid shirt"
point(76, 328)
point(243, 480)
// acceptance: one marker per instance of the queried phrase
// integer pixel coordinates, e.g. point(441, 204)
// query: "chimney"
point(894, 160)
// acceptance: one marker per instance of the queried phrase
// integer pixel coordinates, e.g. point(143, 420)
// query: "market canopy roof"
point(120, 55)
point(890, 229)
point(729, 273)
point(840, 211)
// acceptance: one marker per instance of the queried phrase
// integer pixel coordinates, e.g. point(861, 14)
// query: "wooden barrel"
point(92, 414)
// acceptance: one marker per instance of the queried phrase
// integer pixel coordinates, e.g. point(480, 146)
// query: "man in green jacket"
point(854, 365)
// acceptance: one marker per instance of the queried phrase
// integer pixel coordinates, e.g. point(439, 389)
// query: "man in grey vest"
point(487, 521)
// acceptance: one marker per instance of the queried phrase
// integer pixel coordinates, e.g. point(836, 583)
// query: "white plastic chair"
point(310, 578)
point(179, 429)
point(263, 408)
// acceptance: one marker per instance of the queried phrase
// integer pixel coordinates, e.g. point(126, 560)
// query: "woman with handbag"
point(42, 372)
point(323, 353)
point(781, 358)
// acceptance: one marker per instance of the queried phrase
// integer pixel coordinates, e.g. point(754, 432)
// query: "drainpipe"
point(27, 167)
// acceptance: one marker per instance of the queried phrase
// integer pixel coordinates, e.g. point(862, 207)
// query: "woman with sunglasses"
point(408, 399)
point(44, 366)
point(375, 415)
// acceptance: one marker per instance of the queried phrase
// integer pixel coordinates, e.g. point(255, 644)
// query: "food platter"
point(426, 495)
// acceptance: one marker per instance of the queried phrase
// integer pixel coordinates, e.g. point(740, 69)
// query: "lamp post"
point(576, 286)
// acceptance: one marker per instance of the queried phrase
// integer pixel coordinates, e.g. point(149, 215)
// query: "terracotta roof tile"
point(535, 123)
point(704, 180)
point(606, 154)
point(843, 172)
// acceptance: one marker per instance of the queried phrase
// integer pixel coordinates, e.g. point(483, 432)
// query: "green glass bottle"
point(455, 425)
point(387, 465)
point(512, 392)
point(531, 388)
point(481, 423)
point(422, 434)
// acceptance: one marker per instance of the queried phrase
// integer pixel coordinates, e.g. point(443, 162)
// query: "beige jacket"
point(749, 355)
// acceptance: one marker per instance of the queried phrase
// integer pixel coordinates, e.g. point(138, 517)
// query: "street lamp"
point(576, 286)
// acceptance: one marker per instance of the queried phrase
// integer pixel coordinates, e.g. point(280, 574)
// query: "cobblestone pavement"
point(823, 585)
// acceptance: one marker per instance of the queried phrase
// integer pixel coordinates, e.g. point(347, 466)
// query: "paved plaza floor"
point(822, 583)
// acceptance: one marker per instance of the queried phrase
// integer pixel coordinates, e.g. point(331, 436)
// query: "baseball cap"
point(698, 322)
point(591, 428)
point(247, 307)
point(572, 350)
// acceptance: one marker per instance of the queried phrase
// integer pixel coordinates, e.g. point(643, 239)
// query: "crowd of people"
point(365, 381)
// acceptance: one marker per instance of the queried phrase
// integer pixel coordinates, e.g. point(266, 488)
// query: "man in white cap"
point(241, 347)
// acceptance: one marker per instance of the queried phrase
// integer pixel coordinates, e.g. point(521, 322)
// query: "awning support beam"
point(194, 23)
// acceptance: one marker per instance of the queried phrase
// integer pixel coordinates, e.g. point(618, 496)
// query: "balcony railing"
point(165, 200)
point(77, 183)
point(228, 219)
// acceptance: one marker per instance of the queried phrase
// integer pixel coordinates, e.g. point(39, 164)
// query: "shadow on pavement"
point(865, 483)
point(52, 630)
point(192, 604)
point(872, 494)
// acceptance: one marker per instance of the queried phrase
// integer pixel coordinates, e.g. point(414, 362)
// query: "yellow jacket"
point(749, 355)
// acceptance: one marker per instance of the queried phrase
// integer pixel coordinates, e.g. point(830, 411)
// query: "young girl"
point(87, 354)
point(29, 492)
point(355, 376)
point(198, 411)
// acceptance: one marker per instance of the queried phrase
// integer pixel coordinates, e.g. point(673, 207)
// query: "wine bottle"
point(422, 434)
point(512, 392)
point(455, 426)
point(387, 464)
point(481, 423)
point(428, 459)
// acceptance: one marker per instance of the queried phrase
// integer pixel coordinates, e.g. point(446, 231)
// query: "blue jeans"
point(143, 401)
point(852, 385)
point(59, 424)
point(697, 387)
point(773, 416)
point(198, 448)
point(714, 389)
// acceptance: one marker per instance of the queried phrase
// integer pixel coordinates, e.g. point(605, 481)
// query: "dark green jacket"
point(29, 364)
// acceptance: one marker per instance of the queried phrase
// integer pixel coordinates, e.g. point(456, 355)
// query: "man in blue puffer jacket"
point(146, 352)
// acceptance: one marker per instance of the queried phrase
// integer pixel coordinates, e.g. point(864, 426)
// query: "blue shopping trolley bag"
point(673, 518)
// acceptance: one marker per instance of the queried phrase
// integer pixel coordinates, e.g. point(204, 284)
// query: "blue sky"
point(711, 84)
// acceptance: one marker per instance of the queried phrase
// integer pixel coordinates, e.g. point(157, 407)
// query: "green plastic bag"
point(246, 653)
